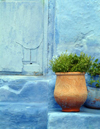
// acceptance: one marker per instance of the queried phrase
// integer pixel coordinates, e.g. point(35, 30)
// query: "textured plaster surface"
point(23, 102)
point(77, 27)
point(27, 102)
point(51, 18)
point(22, 36)
point(85, 119)
point(52, 104)
point(71, 25)
point(23, 89)
point(23, 116)
point(28, 89)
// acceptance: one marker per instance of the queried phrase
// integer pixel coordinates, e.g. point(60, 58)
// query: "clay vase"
point(70, 90)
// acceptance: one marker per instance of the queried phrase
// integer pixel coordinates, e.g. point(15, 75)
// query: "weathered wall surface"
point(22, 37)
point(24, 45)
point(77, 26)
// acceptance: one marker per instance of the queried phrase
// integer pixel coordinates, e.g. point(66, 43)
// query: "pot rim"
point(69, 73)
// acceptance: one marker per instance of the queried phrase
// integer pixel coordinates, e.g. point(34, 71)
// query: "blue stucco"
point(23, 116)
point(52, 104)
point(59, 26)
point(24, 102)
point(23, 89)
point(31, 33)
point(28, 102)
point(77, 27)
point(23, 36)
point(85, 119)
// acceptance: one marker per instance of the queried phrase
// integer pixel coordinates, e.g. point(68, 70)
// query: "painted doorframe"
point(45, 43)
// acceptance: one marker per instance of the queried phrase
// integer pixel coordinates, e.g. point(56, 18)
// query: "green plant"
point(71, 63)
point(93, 71)
point(95, 68)
point(96, 82)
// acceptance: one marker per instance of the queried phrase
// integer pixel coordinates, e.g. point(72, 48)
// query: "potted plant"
point(70, 89)
point(93, 86)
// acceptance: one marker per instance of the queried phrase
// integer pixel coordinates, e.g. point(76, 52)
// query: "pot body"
point(70, 90)
point(93, 98)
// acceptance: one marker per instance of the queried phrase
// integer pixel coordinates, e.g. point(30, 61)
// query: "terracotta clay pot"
point(70, 90)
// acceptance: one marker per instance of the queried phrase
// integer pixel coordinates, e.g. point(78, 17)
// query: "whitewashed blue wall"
point(23, 36)
point(77, 26)
point(32, 32)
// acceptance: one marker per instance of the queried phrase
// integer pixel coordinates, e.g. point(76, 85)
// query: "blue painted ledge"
point(23, 89)
point(85, 119)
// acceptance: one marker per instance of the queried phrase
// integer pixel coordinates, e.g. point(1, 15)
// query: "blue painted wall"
point(23, 36)
point(72, 25)
point(32, 37)
point(77, 26)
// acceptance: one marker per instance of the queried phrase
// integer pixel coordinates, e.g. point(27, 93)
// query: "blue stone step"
point(85, 119)
point(14, 88)
point(52, 104)
point(27, 102)
point(23, 115)
point(23, 89)
point(23, 102)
